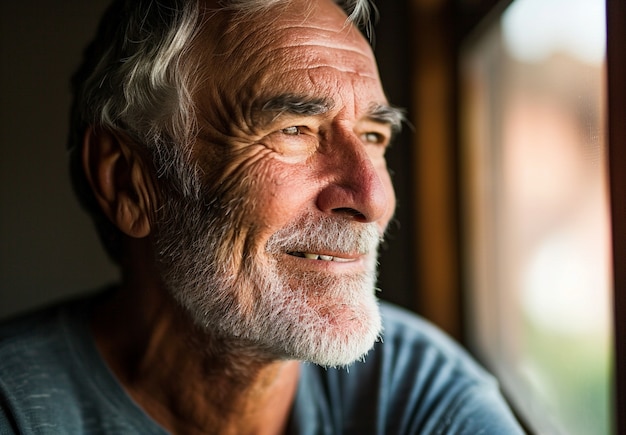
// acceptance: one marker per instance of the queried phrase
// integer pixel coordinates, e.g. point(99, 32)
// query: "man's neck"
point(188, 381)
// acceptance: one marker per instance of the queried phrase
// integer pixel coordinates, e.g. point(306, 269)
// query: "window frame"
point(616, 94)
point(440, 26)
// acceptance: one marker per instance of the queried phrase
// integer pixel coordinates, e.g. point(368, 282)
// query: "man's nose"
point(356, 188)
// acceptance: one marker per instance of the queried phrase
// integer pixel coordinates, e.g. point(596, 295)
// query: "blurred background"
point(48, 249)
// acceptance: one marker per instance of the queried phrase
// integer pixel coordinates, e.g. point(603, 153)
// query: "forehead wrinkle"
point(317, 47)
point(310, 35)
point(293, 52)
point(286, 33)
point(295, 46)
point(306, 38)
point(363, 74)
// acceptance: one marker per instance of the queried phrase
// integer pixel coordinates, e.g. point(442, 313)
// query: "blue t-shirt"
point(417, 381)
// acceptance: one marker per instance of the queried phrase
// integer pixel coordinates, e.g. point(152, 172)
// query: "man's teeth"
point(312, 256)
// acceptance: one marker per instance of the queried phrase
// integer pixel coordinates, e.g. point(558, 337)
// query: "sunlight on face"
point(279, 253)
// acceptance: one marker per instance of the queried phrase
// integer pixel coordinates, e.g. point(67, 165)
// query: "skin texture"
point(268, 167)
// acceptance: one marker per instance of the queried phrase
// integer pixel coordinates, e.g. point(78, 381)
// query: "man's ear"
point(120, 180)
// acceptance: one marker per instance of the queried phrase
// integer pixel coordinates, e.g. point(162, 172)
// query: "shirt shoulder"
point(52, 379)
point(415, 344)
point(415, 380)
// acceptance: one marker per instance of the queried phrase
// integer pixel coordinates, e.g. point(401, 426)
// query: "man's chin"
point(338, 335)
point(320, 318)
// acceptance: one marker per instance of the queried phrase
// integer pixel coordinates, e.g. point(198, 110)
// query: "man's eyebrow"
point(293, 104)
point(385, 114)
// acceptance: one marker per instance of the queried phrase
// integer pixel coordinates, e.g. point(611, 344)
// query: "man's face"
point(280, 250)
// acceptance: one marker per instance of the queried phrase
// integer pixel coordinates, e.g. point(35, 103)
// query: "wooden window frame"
point(440, 26)
point(616, 70)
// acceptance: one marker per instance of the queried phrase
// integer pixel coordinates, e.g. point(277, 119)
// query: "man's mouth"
point(322, 257)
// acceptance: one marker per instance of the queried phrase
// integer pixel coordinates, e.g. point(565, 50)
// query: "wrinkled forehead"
point(291, 36)
point(233, 25)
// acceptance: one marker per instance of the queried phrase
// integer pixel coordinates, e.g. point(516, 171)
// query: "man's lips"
point(322, 257)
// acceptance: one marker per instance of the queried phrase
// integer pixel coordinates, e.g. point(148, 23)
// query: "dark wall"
point(393, 50)
point(48, 249)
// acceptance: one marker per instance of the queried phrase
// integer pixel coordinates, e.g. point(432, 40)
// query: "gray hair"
point(137, 78)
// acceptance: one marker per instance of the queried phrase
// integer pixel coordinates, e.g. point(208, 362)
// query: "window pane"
point(536, 210)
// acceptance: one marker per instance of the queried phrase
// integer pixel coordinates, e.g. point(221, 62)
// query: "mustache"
point(313, 233)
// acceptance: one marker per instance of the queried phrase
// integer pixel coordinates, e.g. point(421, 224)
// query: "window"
point(536, 210)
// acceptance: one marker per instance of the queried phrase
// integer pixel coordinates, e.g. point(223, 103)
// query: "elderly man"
point(232, 155)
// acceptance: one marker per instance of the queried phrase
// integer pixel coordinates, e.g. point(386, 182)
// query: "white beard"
point(255, 301)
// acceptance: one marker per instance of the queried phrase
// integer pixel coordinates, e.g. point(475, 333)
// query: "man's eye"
point(373, 137)
point(291, 131)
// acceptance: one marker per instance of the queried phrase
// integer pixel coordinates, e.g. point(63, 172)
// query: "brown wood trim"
point(616, 61)
point(436, 235)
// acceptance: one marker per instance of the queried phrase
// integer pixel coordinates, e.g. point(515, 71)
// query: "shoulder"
point(416, 380)
point(34, 337)
point(415, 343)
point(402, 326)
point(47, 334)
point(438, 383)
point(35, 361)
point(52, 379)
point(414, 352)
